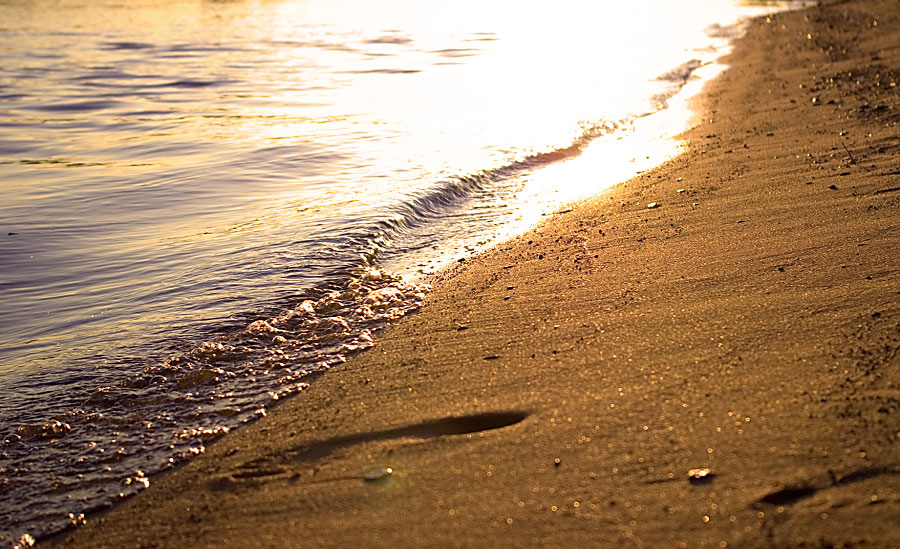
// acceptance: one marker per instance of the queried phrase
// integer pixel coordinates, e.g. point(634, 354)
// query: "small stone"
point(680, 191)
point(378, 474)
point(700, 476)
point(653, 205)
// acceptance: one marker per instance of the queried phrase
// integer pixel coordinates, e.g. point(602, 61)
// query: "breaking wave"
point(168, 412)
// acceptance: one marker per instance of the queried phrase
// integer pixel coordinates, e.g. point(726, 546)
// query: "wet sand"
point(557, 389)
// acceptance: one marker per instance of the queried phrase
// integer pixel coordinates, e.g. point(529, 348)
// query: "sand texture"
point(557, 389)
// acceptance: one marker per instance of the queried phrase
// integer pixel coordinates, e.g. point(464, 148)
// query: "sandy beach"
point(722, 369)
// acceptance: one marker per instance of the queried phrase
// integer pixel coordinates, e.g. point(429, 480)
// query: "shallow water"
point(203, 202)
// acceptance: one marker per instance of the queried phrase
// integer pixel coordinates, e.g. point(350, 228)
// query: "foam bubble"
point(170, 410)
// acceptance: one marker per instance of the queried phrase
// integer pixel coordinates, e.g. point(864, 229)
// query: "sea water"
point(203, 202)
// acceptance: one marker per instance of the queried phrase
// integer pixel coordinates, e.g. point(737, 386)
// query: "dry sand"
point(750, 324)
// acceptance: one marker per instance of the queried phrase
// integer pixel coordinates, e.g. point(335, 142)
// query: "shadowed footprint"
point(788, 496)
point(265, 469)
point(429, 429)
point(792, 494)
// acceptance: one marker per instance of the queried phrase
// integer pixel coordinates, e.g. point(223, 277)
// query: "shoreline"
point(557, 388)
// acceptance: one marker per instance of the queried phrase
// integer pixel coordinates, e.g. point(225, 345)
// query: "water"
point(203, 202)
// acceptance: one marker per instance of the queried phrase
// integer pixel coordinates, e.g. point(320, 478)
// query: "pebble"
point(700, 476)
point(653, 205)
point(378, 474)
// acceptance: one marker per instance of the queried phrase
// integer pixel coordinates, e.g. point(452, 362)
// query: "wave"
point(679, 76)
point(168, 411)
point(451, 194)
